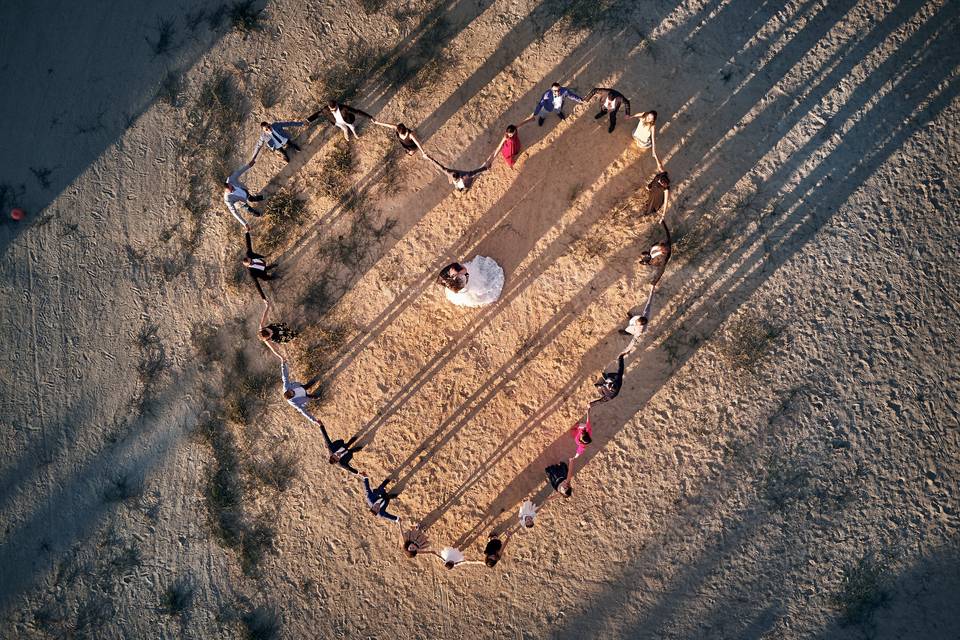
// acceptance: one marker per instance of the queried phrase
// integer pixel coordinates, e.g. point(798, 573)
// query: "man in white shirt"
point(296, 393)
point(235, 194)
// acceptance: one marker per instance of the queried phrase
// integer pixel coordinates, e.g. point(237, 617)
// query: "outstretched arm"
point(442, 168)
point(626, 106)
point(246, 237)
point(665, 227)
point(292, 123)
point(326, 436)
point(263, 316)
point(593, 92)
point(385, 125)
point(359, 112)
point(653, 147)
point(274, 350)
point(416, 141)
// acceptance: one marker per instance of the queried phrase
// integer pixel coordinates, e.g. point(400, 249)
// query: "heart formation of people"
point(477, 282)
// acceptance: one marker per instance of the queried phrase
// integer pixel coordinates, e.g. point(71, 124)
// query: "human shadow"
point(50, 147)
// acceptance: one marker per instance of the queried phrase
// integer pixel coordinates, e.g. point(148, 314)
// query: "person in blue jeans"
point(378, 499)
point(552, 102)
point(276, 137)
point(340, 452)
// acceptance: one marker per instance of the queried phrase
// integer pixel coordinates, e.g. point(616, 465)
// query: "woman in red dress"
point(509, 147)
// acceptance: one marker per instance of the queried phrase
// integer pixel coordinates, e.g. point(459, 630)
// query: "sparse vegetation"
point(335, 171)
point(261, 623)
point(123, 487)
point(284, 213)
point(270, 92)
point(747, 340)
point(153, 358)
point(785, 483)
point(163, 44)
point(172, 89)
point(582, 15)
point(863, 588)
point(244, 17)
point(342, 80)
point(371, 6)
point(277, 471)
point(42, 174)
point(178, 597)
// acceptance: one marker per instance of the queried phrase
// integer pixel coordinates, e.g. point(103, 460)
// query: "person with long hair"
point(407, 137)
point(509, 147)
point(494, 549)
point(645, 135)
point(414, 540)
point(461, 179)
point(610, 382)
point(276, 332)
point(343, 117)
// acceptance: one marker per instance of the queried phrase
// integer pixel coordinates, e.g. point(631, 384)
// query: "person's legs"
point(539, 121)
point(346, 132)
point(561, 114)
point(613, 121)
point(254, 212)
point(255, 198)
point(602, 113)
point(352, 129)
point(286, 156)
point(293, 145)
point(312, 381)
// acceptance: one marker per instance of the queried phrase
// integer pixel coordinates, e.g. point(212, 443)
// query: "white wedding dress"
point(484, 283)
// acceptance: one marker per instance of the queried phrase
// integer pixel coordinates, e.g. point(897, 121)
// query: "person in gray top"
point(235, 194)
point(276, 138)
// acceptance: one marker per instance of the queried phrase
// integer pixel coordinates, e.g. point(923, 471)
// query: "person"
point(610, 104)
point(343, 117)
point(509, 147)
point(407, 137)
point(659, 194)
point(235, 193)
point(658, 256)
point(277, 332)
point(296, 393)
point(494, 549)
point(454, 276)
point(378, 499)
point(552, 102)
point(610, 383)
point(453, 557)
point(645, 135)
point(257, 266)
point(276, 138)
point(528, 511)
point(340, 452)
point(582, 434)
point(461, 180)
point(414, 540)
point(559, 476)
point(477, 283)
point(637, 325)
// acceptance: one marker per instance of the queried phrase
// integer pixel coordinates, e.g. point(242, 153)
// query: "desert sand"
point(781, 461)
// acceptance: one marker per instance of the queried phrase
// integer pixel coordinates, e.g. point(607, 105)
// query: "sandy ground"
point(793, 411)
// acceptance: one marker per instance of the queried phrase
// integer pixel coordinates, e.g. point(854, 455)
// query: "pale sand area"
point(813, 148)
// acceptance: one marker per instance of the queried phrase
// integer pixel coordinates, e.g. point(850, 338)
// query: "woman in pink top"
point(509, 147)
point(582, 434)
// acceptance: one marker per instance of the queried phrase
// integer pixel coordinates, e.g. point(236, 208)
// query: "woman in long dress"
point(474, 284)
point(645, 135)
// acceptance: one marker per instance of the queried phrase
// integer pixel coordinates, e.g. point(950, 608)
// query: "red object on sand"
point(16, 214)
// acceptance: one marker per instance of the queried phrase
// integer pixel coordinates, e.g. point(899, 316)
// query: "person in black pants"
point(559, 476)
point(341, 452)
point(609, 104)
point(378, 499)
point(257, 266)
point(609, 385)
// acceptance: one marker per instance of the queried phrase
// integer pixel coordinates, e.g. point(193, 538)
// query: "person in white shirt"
point(528, 511)
point(461, 180)
point(343, 116)
point(453, 557)
point(276, 138)
point(235, 194)
point(296, 393)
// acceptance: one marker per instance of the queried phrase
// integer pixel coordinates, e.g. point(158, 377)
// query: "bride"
point(475, 284)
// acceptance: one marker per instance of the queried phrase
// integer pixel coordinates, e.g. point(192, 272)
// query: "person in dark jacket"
point(610, 104)
point(340, 452)
point(378, 499)
point(610, 383)
point(257, 266)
